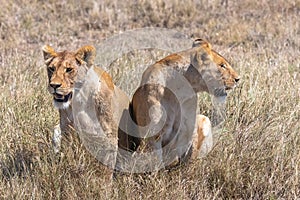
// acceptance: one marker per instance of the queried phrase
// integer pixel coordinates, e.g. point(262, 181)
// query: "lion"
point(87, 100)
point(164, 106)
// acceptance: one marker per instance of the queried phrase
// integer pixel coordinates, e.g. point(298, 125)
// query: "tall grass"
point(258, 153)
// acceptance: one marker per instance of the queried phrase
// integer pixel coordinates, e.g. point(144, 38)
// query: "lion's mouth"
point(62, 98)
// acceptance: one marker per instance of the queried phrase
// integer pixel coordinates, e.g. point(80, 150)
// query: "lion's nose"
point(55, 85)
point(237, 79)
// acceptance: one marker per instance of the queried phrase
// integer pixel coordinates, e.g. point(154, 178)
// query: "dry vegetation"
point(258, 154)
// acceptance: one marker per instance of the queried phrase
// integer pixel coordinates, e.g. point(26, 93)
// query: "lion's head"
point(216, 74)
point(63, 70)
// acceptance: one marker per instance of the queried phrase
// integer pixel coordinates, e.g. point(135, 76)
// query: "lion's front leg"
point(202, 137)
point(56, 139)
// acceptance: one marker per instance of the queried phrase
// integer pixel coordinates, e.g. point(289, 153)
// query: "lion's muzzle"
point(62, 98)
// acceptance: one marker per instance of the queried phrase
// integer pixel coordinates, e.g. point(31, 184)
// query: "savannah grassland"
point(258, 153)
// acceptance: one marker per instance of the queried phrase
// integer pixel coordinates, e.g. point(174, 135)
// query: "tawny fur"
point(206, 71)
point(67, 70)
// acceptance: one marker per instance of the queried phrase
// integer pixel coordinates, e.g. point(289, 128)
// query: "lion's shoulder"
point(103, 75)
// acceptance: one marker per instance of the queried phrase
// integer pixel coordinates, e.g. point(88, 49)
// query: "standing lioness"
point(164, 106)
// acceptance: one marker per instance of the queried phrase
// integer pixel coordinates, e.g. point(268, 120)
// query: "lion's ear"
point(86, 54)
point(49, 53)
point(201, 42)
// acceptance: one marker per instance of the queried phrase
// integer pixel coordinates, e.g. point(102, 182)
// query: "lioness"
point(164, 106)
point(87, 100)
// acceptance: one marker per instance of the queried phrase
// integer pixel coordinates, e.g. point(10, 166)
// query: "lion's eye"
point(223, 65)
point(68, 70)
point(51, 69)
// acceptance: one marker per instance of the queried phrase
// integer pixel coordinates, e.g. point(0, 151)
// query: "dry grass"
point(258, 154)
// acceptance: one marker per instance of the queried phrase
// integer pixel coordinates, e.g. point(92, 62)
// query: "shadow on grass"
point(17, 164)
